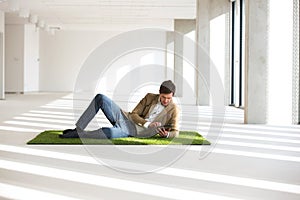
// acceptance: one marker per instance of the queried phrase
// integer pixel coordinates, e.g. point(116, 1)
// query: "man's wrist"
point(146, 125)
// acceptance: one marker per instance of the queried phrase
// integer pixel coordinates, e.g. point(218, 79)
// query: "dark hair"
point(167, 87)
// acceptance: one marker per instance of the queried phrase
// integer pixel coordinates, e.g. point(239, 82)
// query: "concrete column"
point(296, 56)
point(178, 61)
point(203, 60)
point(256, 61)
point(2, 72)
point(181, 26)
point(169, 61)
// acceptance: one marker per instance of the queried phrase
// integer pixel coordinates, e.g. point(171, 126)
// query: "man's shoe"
point(68, 130)
point(69, 133)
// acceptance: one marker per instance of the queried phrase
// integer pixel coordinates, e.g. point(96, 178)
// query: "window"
point(237, 70)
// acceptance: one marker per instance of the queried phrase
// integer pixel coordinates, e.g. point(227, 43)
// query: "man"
point(155, 113)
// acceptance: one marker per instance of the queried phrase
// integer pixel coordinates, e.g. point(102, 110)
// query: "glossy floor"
point(243, 162)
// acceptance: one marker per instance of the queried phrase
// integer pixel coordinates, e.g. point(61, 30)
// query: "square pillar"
point(256, 61)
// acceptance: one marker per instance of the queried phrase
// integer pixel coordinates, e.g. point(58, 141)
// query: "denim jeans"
point(122, 126)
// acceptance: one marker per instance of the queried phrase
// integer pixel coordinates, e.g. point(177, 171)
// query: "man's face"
point(165, 99)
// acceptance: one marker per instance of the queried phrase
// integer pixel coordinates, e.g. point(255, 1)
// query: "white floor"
point(243, 162)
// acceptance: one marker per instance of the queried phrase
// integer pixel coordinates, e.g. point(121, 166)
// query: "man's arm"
point(139, 112)
point(174, 121)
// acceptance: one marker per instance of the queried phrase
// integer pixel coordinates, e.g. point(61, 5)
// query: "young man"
point(155, 113)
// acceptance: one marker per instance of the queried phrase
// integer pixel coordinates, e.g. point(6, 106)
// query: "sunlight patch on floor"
point(22, 193)
point(115, 183)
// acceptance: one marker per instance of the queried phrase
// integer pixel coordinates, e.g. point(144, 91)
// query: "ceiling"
point(100, 14)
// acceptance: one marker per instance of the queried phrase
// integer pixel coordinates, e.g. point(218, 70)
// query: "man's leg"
point(110, 109)
point(105, 133)
point(122, 127)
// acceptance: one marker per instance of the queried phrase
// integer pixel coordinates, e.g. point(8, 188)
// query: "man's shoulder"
point(173, 105)
point(152, 96)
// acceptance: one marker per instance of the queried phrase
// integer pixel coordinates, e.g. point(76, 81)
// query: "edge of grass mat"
point(51, 137)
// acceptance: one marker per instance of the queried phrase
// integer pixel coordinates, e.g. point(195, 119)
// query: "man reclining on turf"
point(155, 113)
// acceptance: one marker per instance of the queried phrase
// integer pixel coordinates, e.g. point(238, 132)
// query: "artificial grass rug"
point(185, 138)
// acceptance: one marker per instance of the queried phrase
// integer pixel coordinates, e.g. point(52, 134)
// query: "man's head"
point(166, 92)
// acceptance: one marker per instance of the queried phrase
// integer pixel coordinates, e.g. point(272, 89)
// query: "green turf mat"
point(185, 138)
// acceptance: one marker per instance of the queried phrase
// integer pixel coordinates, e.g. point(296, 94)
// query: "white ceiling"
point(101, 14)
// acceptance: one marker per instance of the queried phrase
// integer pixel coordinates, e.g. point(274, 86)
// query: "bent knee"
point(99, 97)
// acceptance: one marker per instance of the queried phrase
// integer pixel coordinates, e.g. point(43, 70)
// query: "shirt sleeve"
point(146, 125)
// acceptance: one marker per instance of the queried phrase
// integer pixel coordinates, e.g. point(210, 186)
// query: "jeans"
point(122, 126)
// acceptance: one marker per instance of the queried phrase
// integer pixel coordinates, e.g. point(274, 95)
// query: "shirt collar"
point(158, 101)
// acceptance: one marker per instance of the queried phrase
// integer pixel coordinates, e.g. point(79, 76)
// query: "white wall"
point(2, 23)
point(21, 58)
point(14, 58)
point(62, 55)
point(31, 56)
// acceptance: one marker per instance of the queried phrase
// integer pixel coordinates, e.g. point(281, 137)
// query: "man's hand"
point(163, 132)
point(154, 124)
